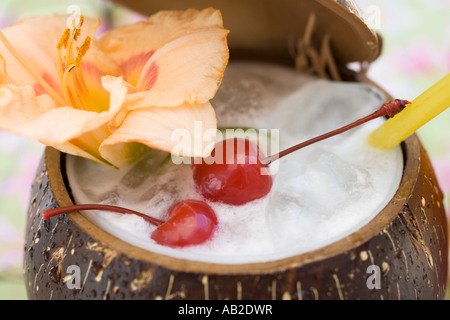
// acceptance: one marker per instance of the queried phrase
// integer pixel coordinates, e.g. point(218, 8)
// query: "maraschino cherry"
point(233, 182)
point(190, 222)
point(233, 173)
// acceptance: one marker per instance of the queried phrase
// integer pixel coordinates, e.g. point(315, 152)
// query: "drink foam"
point(320, 194)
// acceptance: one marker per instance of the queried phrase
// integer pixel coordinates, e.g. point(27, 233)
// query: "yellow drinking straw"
point(421, 110)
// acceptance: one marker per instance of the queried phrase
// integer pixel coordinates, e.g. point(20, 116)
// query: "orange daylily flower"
point(103, 99)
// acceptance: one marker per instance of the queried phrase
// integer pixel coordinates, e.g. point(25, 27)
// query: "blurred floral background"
point(416, 53)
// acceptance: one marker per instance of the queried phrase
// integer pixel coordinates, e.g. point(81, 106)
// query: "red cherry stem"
point(47, 214)
point(390, 109)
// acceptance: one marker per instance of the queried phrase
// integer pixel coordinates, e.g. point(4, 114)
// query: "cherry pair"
point(234, 179)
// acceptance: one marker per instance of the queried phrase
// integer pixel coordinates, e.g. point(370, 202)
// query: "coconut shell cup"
point(401, 254)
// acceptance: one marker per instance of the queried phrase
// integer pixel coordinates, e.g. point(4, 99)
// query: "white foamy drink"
point(320, 194)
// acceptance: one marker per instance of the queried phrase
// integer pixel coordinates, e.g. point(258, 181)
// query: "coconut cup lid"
point(274, 29)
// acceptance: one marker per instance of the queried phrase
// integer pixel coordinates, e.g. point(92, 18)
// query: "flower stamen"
point(70, 67)
point(63, 41)
point(72, 82)
point(82, 50)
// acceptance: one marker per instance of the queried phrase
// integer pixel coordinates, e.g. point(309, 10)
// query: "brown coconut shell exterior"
point(407, 241)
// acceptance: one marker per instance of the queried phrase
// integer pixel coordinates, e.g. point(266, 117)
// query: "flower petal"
point(148, 36)
point(163, 128)
point(3, 74)
point(184, 36)
point(187, 70)
point(20, 106)
point(38, 118)
point(75, 150)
